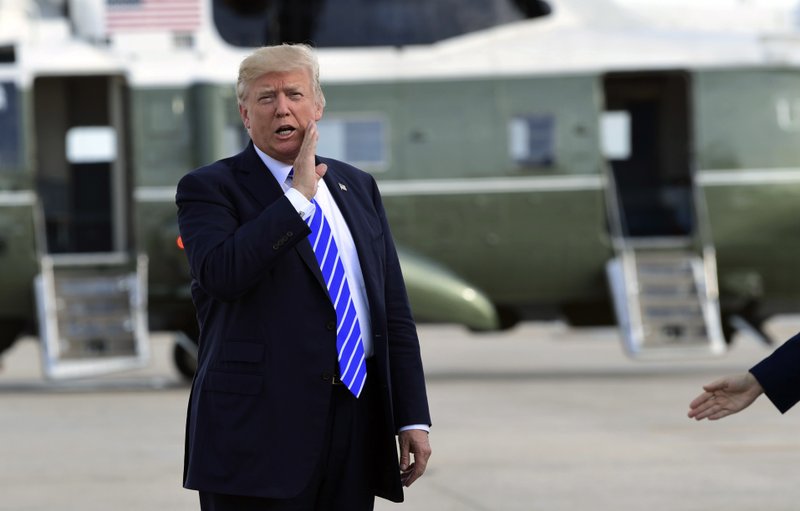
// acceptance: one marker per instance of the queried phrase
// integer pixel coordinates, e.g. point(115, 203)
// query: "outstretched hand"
point(306, 174)
point(725, 397)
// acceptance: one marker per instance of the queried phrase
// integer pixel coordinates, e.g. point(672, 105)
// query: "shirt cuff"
point(303, 206)
point(423, 427)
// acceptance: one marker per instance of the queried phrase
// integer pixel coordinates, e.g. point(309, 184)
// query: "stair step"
point(674, 287)
point(675, 307)
point(667, 307)
point(92, 317)
point(668, 297)
point(662, 323)
point(97, 348)
point(91, 287)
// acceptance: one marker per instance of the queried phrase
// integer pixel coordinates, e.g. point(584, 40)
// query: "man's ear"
point(244, 116)
point(318, 111)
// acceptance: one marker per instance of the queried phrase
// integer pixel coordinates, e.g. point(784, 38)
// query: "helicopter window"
point(361, 141)
point(9, 127)
point(8, 54)
point(234, 134)
point(788, 113)
point(347, 23)
point(532, 140)
point(49, 8)
point(615, 132)
point(91, 144)
point(166, 114)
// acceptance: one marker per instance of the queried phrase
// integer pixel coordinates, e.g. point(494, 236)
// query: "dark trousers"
point(342, 480)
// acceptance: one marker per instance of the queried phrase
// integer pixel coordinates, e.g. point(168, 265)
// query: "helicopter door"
point(653, 173)
point(663, 278)
point(91, 292)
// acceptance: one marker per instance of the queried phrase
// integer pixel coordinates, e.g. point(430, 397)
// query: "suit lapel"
point(306, 252)
point(259, 182)
point(350, 205)
point(256, 178)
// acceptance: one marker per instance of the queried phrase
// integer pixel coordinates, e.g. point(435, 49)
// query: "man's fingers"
point(699, 400)
point(699, 406)
point(408, 476)
point(713, 413)
point(414, 453)
point(305, 156)
point(705, 405)
point(414, 472)
point(404, 454)
point(714, 408)
point(703, 412)
point(306, 174)
point(309, 139)
point(417, 468)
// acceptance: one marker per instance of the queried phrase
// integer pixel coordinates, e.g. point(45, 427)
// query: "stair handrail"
point(703, 237)
point(614, 211)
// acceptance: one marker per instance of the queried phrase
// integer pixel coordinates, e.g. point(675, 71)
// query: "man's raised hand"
point(306, 173)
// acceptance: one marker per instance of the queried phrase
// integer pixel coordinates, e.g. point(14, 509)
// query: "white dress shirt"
point(344, 242)
point(341, 234)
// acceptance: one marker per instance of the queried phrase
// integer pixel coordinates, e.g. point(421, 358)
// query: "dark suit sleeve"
point(228, 251)
point(779, 374)
point(408, 381)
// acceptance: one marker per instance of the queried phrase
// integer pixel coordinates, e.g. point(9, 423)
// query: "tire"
point(184, 355)
point(10, 330)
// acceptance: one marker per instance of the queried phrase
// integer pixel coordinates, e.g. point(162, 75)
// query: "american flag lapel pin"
point(342, 187)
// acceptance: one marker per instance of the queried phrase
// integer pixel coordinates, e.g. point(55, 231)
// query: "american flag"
point(147, 15)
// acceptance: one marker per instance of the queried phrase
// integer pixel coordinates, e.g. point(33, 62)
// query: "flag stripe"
point(139, 15)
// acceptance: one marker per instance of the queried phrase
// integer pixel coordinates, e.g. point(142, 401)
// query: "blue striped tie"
point(352, 363)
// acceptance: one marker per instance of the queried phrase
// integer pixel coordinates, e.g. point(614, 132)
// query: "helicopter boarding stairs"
point(92, 311)
point(666, 301)
point(663, 283)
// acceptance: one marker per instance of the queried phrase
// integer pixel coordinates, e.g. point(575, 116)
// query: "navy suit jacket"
point(267, 348)
point(779, 374)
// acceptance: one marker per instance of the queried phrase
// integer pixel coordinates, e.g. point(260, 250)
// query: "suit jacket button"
point(331, 325)
point(275, 246)
point(327, 376)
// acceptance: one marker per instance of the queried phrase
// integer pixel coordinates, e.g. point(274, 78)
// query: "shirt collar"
point(278, 169)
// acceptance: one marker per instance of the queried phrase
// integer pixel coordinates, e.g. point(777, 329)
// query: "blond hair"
point(279, 59)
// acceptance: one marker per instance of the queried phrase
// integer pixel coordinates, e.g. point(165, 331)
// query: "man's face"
point(276, 111)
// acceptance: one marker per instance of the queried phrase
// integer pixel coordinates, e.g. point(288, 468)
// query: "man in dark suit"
point(777, 376)
point(281, 415)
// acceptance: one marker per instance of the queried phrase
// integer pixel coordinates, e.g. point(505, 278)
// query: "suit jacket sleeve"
point(779, 374)
point(229, 249)
point(409, 396)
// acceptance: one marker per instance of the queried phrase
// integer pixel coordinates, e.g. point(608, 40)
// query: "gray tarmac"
point(539, 418)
